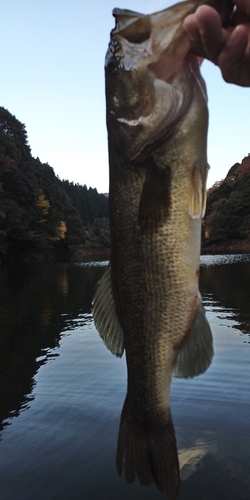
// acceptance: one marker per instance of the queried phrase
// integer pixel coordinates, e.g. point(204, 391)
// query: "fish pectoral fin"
point(105, 315)
point(197, 203)
point(196, 354)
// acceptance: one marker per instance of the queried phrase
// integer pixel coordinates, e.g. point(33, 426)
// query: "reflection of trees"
point(37, 303)
point(229, 287)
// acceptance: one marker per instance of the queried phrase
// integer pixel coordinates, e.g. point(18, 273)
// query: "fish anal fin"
point(105, 315)
point(197, 203)
point(148, 452)
point(155, 198)
point(196, 353)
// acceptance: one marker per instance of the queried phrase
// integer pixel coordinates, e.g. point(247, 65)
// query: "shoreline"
point(227, 247)
point(77, 253)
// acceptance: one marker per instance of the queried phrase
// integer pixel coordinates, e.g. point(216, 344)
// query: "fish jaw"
point(153, 75)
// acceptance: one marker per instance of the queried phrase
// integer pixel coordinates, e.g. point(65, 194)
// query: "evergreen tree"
point(37, 209)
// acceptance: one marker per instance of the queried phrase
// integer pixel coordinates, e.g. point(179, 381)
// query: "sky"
point(52, 80)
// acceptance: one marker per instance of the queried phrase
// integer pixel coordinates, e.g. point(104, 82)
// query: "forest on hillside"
point(227, 219)
point(41, 215)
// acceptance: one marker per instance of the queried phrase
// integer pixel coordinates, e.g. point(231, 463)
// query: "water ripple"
point(215, 260)
point(94, 263)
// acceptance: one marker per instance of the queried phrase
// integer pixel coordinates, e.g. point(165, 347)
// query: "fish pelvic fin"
point(197, 204)
point(148, 452)
point(105, 316)
point(195, 356)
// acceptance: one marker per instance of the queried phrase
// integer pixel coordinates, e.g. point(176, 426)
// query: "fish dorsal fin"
point(105, 315)
point(196, 354)
point(197, 204)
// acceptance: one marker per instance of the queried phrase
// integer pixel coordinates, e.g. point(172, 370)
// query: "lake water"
point(61, 391)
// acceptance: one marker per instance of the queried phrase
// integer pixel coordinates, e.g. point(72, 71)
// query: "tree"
point(37, 209)
point(228, 206)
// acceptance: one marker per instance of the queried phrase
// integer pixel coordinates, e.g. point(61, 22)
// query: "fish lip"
point(124, 18)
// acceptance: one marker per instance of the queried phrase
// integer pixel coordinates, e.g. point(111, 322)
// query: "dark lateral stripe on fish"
point(155, 198)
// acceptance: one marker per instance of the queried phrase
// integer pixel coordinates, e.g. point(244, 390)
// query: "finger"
point(191, 26)
point(212, 35)
point(234, 59)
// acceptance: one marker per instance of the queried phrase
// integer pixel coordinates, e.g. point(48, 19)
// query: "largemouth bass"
point(148, 300)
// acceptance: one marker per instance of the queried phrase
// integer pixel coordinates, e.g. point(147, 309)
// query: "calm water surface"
point(61, 391)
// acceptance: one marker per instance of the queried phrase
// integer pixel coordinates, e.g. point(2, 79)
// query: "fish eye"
point(137, 37)
point(139, 31)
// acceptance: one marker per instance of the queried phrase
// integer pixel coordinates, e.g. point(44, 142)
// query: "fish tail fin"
point(149, 452)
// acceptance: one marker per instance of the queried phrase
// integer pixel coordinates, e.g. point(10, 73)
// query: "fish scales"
point(158, 264)
point(148, 300)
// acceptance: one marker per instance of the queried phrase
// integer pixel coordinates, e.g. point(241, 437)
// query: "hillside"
point(45, 218)
point(226, 225)
point(42, 217)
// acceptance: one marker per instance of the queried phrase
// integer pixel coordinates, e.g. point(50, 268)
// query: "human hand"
point(229, 47)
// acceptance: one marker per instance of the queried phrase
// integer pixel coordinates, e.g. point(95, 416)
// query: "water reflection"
point(225, 281)
point(45, 322)
point(215, 465)
point(37, 304)
point(191, 458)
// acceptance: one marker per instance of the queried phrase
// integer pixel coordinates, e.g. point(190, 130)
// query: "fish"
point(148, 302)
